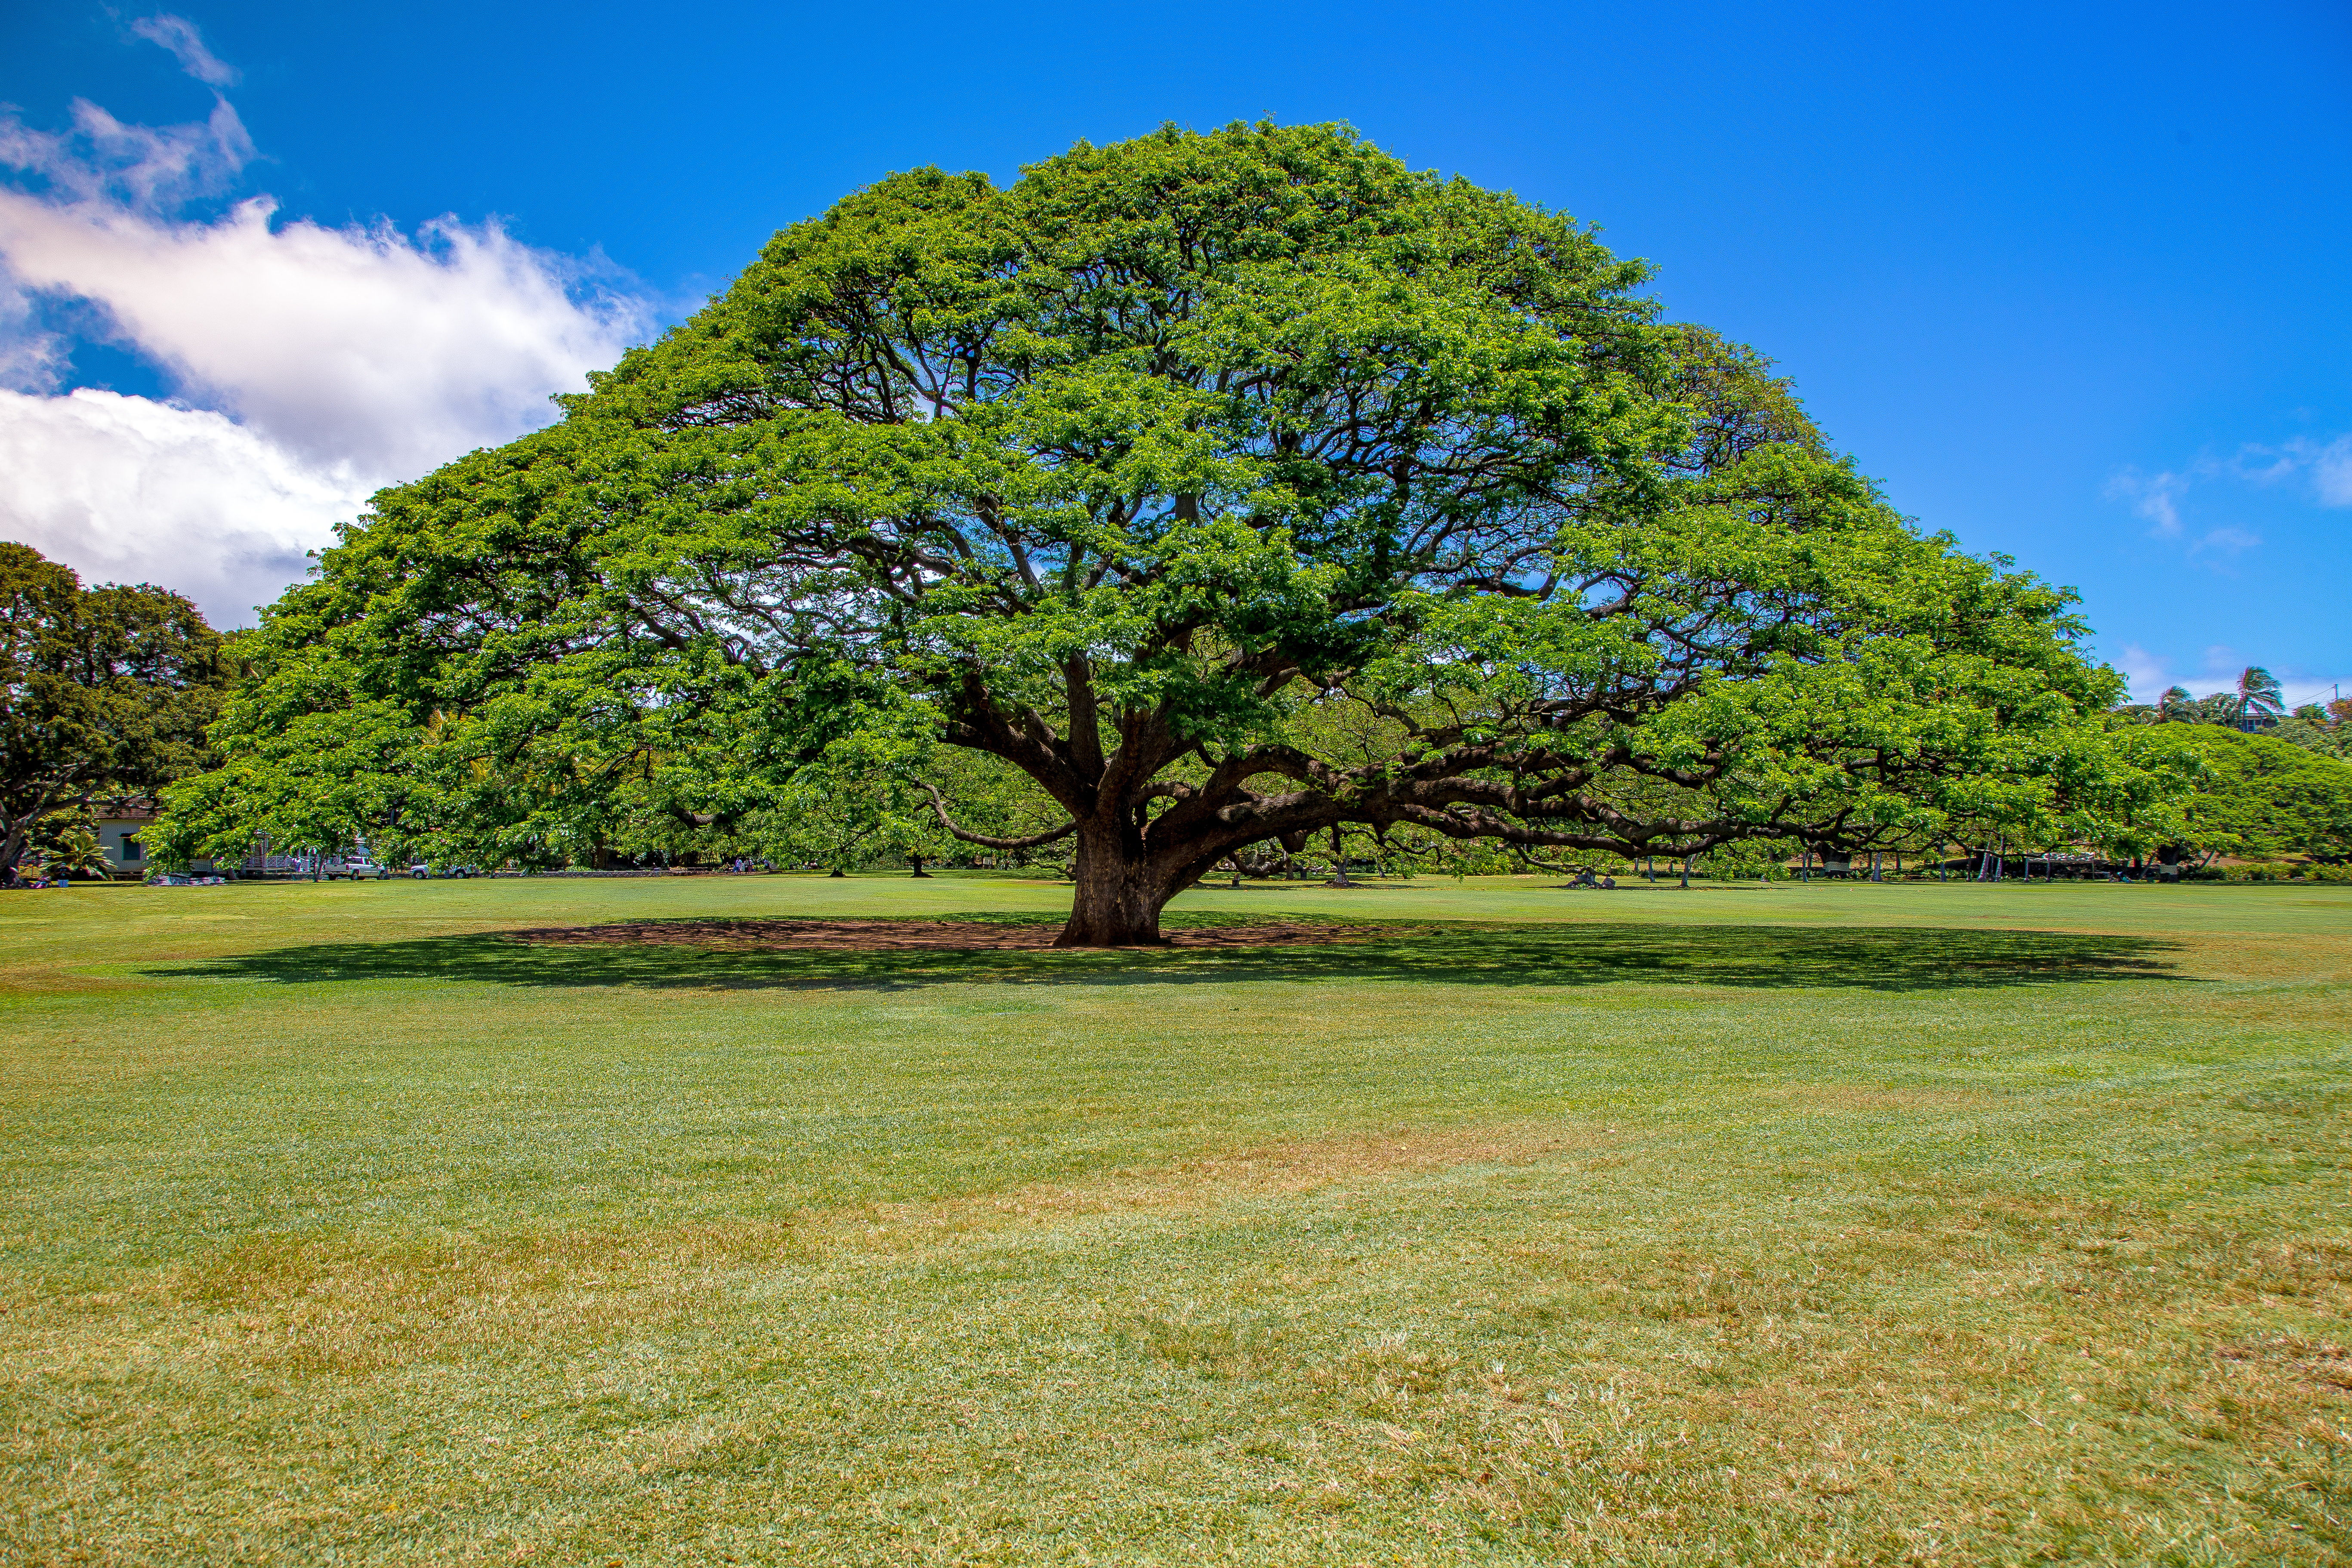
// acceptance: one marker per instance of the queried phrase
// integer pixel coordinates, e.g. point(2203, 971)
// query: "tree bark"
point(1121, 891)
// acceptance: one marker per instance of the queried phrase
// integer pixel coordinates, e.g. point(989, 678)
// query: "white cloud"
point(100, 161)
point(311, 365)
point(179, 35)
point(2159, 497)
point(345, 344)
point(2145, 674)
point(2225, 541)
point(2329, 466)
point(2331, 471)
point(129, 490)
point(2323, 692)
point(2156, 496)
point(30, 359)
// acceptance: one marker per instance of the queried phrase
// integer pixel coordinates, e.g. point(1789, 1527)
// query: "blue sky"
point(2070, 281)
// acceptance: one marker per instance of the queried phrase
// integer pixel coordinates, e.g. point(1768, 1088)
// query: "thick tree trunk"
point(1120, 893)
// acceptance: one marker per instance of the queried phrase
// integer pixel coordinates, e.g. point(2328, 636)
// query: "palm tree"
point(2260, 701)
point(2176, 706)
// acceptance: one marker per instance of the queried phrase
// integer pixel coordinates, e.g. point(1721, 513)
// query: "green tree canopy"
point(1125, 475)
point(2254, 795)
point(104, 693)
point(2327, 730)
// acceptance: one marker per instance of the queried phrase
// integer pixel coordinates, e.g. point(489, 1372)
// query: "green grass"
point(1829, 1224)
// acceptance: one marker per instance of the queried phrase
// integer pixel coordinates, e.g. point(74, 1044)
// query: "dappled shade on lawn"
point(883, 935)
point(720, 954)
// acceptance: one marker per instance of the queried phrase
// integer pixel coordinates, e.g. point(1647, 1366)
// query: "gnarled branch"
point(986, 841)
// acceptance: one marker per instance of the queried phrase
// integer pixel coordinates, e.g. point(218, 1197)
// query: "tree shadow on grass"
point(1766, 957)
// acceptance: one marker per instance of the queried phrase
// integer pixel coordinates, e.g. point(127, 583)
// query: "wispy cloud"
point(2231, 542)
point(2217, 670)
point(2326, 466)
point(2145, 673)
point(2331, 471)
point(180, 35)
point(2159, 498)
point(2156, 496)
point(310, 365)
point(100, 161)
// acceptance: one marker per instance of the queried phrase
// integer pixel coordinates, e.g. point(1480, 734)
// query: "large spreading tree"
point(1131, 477)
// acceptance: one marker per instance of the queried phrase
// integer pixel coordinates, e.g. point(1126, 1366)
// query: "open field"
point(1842, 1223)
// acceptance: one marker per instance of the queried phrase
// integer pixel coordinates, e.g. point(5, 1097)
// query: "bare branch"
point(986, 841)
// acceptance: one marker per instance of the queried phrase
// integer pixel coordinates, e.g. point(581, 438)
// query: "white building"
point(118, 828)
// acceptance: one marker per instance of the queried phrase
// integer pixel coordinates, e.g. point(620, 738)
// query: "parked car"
point(358, 869)
point(420, 870)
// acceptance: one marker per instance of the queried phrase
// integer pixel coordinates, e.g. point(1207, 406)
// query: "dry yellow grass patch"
point(1841, 1244)
point(348, 1305)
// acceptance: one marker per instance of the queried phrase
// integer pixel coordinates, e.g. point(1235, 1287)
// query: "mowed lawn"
point(1835, 1224)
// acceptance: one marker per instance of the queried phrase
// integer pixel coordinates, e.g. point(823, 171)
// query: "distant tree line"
point(2256, 706)
point(1200, 506)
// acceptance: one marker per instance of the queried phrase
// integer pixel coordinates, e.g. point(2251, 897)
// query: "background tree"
point(2257, 700)
point(995, 800)
point(2325, 729)
point(1141, 476)
point(2175, 707)
point(842, 825)
point(2250, 795)
point(104, 693)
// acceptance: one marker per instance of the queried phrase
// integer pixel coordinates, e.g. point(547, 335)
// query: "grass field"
point(1841, 1224)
